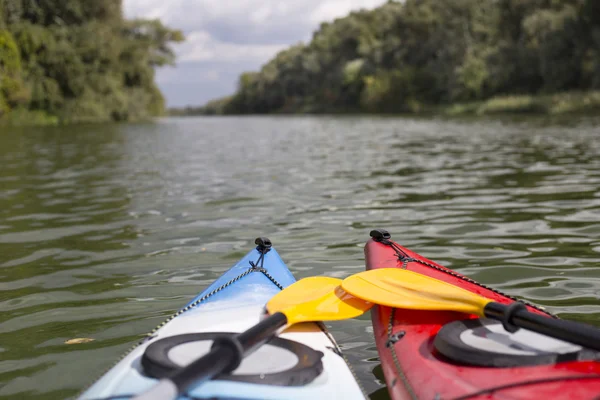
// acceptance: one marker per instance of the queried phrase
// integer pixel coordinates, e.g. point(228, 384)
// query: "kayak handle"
point(379, 235)
point(569, 331)
point(262, 244)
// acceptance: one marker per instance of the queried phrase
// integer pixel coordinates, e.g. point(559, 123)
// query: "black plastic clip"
point(263, 244)
point(380, 235)
point(508, 316)
point(393, 339)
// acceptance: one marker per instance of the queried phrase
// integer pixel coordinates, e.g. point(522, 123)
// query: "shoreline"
point(564, 103)
point(584, 103)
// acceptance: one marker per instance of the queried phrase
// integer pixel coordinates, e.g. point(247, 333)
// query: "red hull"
point(413, 370)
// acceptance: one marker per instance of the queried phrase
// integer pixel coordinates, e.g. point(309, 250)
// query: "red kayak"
point(450, 355)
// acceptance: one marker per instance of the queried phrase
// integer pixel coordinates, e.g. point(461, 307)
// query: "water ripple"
point(105, 230)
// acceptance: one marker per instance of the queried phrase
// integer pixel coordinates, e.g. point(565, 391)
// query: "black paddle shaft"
point(227, 353)
point(569, 331)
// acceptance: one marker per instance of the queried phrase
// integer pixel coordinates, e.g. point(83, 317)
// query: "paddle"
point(407, 289)
point(309, 299)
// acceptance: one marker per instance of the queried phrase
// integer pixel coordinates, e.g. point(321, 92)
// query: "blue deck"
point(273, 264)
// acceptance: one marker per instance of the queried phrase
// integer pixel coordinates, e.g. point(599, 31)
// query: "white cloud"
point(247, 21)
point(201, 46)
point(243, 34)
point(202, 75)
point(146, 8)
point(330, 9)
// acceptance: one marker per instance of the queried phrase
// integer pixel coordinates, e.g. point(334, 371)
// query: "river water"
point(106, 230)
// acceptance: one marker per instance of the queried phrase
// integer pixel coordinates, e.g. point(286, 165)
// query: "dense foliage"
point(406, 55)
point(80, 60)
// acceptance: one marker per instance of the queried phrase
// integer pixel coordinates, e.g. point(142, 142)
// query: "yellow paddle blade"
point(317, 298)
point(401, 288)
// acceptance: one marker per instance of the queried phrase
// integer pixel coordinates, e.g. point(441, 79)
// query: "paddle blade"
point(316, 298)
point(401, 288)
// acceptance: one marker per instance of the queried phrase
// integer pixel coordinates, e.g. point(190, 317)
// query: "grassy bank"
point(555, 104)
point(23, 117)
point(583, 102)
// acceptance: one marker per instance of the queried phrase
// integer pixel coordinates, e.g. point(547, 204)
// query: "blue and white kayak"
point(303, 362)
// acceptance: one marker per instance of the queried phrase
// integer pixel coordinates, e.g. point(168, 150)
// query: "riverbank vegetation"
point(587, 102)
point(67, 61)
point(457, 56)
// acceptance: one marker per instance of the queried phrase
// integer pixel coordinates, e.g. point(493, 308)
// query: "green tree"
point(404, 56)
point(80, 60)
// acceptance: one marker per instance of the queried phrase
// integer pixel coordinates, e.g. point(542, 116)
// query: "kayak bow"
point(301, 363)
point(453, 354)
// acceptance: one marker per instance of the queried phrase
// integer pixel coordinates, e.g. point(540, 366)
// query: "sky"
point(227, 37)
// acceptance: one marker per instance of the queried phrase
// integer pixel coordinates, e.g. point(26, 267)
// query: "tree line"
point(404, 56)
point(80, 60)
